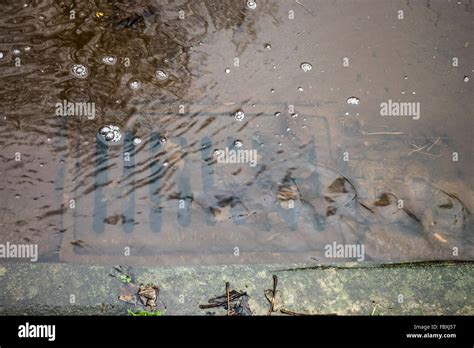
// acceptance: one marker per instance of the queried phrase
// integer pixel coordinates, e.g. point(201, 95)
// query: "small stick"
point(382, 133)
point(272, 302)
point(417, 148)
point(227, 292)
point(211, 305)
point(434, 143)
point(299, 3)
point(286, 311)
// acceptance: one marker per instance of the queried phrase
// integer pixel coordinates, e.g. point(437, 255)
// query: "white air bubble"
point(306, 66)
point(109, 60)
point(110, 133)
point(353, 100)
point(239, 115)
point(161, 75)
point(80, 71)
point(135, 85)
point(251, 5)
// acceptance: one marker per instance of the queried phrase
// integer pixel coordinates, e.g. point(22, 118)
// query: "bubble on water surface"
point(110, 133)
point(80, 71)
point(109, 60)
point(239, 115)
point(353, 100)
point(161, 75)
point(251, 5)
point(135, 85)
point(306, 66)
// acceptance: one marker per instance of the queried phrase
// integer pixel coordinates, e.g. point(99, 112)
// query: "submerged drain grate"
point(179, 202)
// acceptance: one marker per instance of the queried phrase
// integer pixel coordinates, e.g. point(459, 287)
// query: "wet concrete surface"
point(343, 289)
point(174, 75)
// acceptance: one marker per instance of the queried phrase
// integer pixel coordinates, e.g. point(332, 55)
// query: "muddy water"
point(172, 76)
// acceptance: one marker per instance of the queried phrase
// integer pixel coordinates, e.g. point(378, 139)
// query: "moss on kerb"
point(430, 288)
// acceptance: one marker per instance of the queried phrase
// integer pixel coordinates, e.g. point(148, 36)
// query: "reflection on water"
point(114, 115)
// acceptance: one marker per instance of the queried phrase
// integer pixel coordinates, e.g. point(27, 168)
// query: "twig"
point(227, 292)
point(428, 148)
point(272, 301)
point(417, 148)
point(286, 311)
point(434, 143)
point(222, 300)
point(303, 6)
point(381, 133)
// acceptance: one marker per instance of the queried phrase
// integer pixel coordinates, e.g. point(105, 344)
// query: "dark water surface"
point(171, 75)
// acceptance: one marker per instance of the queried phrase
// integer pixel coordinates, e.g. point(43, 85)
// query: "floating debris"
point(277, 114)
point(2, 55)
point(306, 66)
point(110, 133)
point(466, 79)
point(16, 51)
point(251, 5)
point(268, 46)
point(239, 115)
point(80, 71)
point(109, 60)
point(227, 71)
point(300, 89)
point(161, 75)
point(137, 141)
point(353, 101)
point(238, 143)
